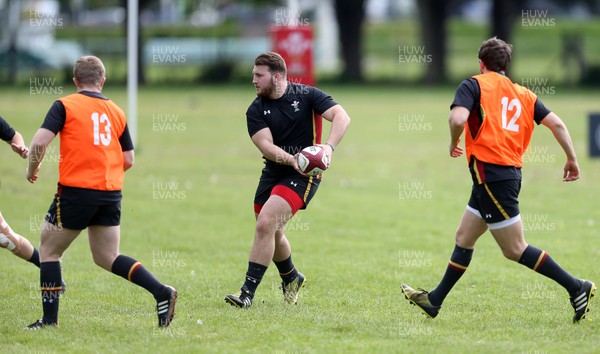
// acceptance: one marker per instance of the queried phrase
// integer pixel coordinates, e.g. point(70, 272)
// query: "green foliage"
point(226, 29)
point(357, 242)
point(538, 50)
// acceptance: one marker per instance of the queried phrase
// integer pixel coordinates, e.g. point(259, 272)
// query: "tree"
point(434, 14)
point(350, 15)
point(503, 16)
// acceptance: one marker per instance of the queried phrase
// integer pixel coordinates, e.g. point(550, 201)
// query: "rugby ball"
point(313, 161)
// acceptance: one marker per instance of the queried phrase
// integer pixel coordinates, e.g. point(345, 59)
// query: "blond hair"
point(89, 70)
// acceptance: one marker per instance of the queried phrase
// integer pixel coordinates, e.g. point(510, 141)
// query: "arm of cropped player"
point(561, 134)
point(42, 138)
point(128, 159)
point(18, 145)
point(263, 139)
point(127, 147)
point(457, 120)
point(340, 120)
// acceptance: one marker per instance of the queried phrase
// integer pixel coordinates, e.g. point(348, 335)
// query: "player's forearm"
point(128, 159)
point(339, 126)
point(18, 139)
point(276, 154)
point(37, 150)
point(455, 133)
point(457, 120)
point(561, 134)
point(36, 155)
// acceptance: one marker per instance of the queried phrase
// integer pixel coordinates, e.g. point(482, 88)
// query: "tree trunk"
point(434, 14)
point(350, 15)
point(503, 14)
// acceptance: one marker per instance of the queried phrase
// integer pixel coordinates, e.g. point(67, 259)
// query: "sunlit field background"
point(384, 214)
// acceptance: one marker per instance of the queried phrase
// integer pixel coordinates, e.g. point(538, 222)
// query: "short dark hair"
point(274, 61)
point(495, 54)
point(89, 70)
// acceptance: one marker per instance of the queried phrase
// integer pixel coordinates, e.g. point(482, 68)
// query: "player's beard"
point(266, 91)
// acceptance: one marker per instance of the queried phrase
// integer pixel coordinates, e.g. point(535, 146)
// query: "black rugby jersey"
point(291, 120)
point(6, 131)
point(468, 96)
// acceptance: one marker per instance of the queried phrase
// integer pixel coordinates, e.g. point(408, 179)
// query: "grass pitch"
point(385, 214)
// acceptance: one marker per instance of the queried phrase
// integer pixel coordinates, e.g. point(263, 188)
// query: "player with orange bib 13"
point(498, 117)
point(95, 151)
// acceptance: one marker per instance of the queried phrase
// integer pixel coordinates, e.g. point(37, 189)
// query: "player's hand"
point(32, 177)
point(571, 171)
point(22, 150)
point(328, 151)
point(296, 166)
point(455, 150)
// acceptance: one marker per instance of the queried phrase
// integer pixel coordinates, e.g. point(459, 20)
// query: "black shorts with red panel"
point(295, 189)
